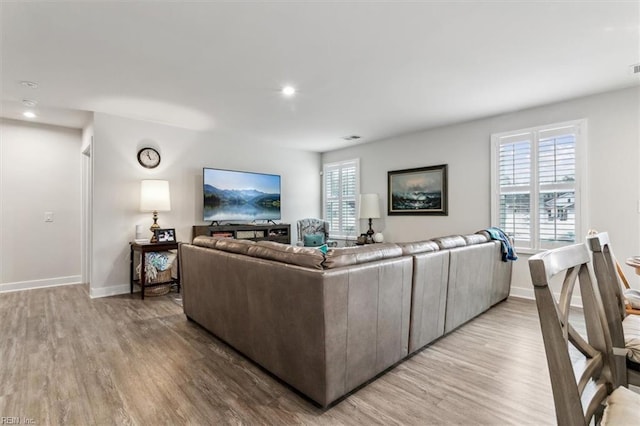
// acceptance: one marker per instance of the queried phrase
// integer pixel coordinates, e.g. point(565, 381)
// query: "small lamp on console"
point(369, 209)
point(155, 197)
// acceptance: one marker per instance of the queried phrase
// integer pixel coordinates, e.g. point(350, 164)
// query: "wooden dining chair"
point(624, 328)
point(620, 276)
point(582, 381)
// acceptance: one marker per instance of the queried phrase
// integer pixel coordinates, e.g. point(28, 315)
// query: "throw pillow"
point(313, 240)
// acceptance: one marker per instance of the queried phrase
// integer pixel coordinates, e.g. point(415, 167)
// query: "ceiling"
point(372, 69)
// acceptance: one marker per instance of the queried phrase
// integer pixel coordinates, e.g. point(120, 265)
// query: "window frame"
point(341, 233)
point(497, 139)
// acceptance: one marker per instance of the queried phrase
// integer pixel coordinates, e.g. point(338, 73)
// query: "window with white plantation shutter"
point(341, 186)
point(535, 185)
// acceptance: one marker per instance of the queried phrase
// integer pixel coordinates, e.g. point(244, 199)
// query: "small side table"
point(144, 248)
point(634, 262)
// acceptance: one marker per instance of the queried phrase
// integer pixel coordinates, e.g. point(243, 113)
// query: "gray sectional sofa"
point(327, 323)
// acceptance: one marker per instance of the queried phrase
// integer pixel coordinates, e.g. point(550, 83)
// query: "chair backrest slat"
point(604, 265)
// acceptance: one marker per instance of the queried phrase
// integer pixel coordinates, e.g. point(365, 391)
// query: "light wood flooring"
point(68, 359)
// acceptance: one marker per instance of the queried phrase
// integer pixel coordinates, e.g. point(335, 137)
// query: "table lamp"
point(155, 197)
point(369, 209)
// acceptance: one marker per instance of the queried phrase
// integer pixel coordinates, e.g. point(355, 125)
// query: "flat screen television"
point(231, 195)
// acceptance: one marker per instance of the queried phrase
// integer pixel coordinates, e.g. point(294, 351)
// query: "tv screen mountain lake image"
point(230, 195)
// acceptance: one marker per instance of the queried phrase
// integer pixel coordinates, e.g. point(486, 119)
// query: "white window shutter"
point(535, 183)
point(341, 188)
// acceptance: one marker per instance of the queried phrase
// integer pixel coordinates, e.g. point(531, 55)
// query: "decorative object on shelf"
point(161, 268)
point(421, 191)
point(369, 209)
point(149, 158)
point(378, 237)
point(155, 197)
point(165, 235)
point(157, 266)
point(279, 233)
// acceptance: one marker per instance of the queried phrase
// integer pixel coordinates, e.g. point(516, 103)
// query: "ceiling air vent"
point(635, 68)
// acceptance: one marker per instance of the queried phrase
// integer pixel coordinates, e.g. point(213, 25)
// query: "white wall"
point(40, 171)
point(613, 186)
point(117, 176)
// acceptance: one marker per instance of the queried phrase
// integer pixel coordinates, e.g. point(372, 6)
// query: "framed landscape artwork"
point(421, 191)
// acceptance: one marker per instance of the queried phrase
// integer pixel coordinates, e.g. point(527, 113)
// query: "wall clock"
point(149, 158)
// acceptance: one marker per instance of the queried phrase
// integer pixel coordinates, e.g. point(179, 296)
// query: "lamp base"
point(154, 226)
point(370, 232)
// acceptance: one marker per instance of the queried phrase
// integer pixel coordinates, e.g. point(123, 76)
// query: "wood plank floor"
point(68, 359)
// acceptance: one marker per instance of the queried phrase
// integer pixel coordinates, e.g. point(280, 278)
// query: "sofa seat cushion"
point(419, 247)
point(309, 257)
point(631, 328)
point(346, 256)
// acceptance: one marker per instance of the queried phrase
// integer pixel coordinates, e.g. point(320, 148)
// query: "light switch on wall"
point(48, 216)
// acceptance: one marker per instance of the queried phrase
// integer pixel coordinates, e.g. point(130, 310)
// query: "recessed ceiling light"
point(29, 84)
point(29, 103)
point(29, 114)
point(288, 91)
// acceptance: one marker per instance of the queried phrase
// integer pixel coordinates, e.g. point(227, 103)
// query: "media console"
point(278, 233)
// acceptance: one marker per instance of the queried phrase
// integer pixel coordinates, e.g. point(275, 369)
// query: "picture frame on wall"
point(167, 235)
point(419, 191)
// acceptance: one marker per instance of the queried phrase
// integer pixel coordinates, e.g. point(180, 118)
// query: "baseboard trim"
point(33, 284)
point(523, 293)
point(113, 290)
point(527, 293)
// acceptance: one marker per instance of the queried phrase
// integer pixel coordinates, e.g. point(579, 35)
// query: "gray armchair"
point(314, 232)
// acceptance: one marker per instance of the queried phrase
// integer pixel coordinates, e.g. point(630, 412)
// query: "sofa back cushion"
point(451, 241)
point(477, 238)
point(234, 246)
point(339, 257)
point(205, 241)
point(302, 256)
point(419, 247)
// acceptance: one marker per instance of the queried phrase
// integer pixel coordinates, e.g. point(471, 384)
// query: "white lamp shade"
point(369, 206)
point(155, 196)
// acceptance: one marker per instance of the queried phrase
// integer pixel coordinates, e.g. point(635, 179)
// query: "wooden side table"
point(144, 248)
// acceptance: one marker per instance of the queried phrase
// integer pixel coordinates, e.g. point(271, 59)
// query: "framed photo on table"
point(167, 235)
point(420, 191)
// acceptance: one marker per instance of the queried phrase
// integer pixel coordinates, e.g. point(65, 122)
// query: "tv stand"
point(278, 233)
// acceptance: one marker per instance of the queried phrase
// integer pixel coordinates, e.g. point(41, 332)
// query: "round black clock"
point(149, 158)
